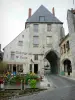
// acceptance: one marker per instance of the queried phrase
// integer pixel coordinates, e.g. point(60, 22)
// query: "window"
point(35, 27)
point(17, 56)
point(41, 18)
point(36, 57)
point(35, 40)
point(20, 43)
point(49, 40)
point(67, 46)
point(22, 36)
point(64, 48)
point(12, 55)
point(61, 50)
point(48, 27)
point(30, 68)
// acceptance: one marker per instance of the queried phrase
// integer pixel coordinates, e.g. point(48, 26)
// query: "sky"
point(13, 15)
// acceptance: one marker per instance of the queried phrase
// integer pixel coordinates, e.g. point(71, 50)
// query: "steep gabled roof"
point(42, 11)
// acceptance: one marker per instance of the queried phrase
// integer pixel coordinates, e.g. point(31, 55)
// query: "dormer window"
point(41, 18)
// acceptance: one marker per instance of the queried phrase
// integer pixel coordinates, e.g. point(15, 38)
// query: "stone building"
point(37, 45)
point(67, 46)
point(66, 57)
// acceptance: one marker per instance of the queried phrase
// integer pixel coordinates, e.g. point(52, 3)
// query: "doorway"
point(14, 68)
point(35, 68)
point(67, 66)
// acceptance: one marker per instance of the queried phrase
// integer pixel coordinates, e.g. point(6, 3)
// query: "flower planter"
point(18, 83)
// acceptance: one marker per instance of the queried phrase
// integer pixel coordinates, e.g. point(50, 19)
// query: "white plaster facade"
point(20, 52)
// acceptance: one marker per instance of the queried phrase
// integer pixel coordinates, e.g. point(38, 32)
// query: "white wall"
point(42, 33)
point(20, 51)
point(28, 45)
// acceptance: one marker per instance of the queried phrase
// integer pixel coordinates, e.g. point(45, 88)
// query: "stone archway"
point(54, 61)
point(67, 66)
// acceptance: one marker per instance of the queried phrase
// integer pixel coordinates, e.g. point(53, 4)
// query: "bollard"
point(2, 84)
point(21, 84)
point(24, 84)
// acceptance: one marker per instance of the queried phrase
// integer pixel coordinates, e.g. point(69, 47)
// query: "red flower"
point(17, 83)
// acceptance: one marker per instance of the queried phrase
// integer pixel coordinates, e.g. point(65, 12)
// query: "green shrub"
point(30, 77)
point(6, 79)
point(12, 81)
point(33, 83)
point(16, 79)
point(27, 77)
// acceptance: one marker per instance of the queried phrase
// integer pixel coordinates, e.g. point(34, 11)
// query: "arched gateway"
point(67, 66)
point(54, 60)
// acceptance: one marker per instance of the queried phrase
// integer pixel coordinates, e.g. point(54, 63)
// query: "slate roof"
point(42, 11)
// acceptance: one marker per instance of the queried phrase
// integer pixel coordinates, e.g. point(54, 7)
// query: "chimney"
point(29, 13)
point(53, 11)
